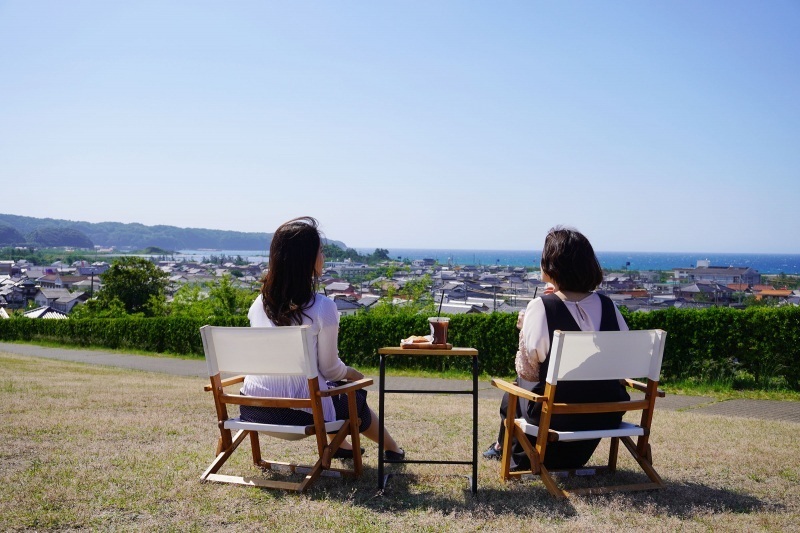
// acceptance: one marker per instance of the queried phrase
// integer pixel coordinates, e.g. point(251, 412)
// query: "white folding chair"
point(587, 356)
point(274, 351)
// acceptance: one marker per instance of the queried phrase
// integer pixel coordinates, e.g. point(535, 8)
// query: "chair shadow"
point(403, 493)
point(689, 499)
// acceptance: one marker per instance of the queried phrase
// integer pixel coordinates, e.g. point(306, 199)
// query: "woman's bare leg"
point(372, 434)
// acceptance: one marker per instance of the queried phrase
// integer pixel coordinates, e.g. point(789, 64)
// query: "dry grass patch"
point(91, 447)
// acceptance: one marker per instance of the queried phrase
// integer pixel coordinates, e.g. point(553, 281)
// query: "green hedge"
point(759, 343)
point(759, 347)
point(494, 335)
point(162, 335)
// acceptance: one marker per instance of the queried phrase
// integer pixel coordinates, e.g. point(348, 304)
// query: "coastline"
point(767, 264)
point(615, 261)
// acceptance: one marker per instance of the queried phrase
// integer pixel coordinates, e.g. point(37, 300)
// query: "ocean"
point(764, 263)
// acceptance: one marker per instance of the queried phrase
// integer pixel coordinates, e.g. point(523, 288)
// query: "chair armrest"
point(516, 390)
point(347, 387)
point(226, 382)
point(638, 385)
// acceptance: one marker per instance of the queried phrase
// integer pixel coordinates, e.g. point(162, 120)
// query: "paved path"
point(763, 409)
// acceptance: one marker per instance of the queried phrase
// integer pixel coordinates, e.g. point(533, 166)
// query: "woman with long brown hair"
point(289, 297)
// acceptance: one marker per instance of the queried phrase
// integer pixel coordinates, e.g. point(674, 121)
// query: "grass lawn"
point(91, 447)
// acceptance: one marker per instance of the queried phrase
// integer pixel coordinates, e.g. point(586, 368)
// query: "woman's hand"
point(353, 374)
point(520, 319)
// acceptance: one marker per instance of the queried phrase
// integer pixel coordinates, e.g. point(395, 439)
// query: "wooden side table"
point(382, 390)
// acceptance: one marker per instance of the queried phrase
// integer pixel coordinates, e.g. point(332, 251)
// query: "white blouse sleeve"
point(257, 315)
point(535, 335)
point(328, 363)
point(527, 368)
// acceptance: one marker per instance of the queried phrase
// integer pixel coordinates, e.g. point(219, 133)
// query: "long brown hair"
point(289, 287)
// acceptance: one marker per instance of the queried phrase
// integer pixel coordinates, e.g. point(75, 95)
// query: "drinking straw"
point(441, 301)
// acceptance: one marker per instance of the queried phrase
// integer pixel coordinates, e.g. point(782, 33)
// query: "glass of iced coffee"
point(439, 329)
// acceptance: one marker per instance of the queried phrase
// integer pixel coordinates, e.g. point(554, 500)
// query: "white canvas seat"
point(274, 351)
point(277, 430)
point(588, 356)
point(625, 429)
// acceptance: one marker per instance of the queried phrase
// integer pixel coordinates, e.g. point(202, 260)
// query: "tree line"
point(135, 286)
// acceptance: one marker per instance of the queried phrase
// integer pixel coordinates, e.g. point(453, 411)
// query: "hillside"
point(10, 236)
point(137, 236)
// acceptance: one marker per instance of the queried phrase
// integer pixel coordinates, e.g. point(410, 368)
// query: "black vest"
point(559, 318)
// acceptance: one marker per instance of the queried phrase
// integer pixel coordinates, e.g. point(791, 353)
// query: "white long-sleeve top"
point(535, 336)
point(323, 338)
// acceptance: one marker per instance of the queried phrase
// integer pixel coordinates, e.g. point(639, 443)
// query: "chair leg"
point(224, 440)
point(505, 458)
point(550, 483)
point(224, 454)
point(613, 453)
point(508, 438)
point(333, 445)
point(536, 464)
point(355, 436)
point(643, 445)
point(643, 462)
point(530, 451)
point(312, 476)
point(255, 448)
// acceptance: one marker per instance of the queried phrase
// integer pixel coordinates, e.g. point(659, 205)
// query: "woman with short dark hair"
point(570, 265)
point(289, 297)
point(568, 259)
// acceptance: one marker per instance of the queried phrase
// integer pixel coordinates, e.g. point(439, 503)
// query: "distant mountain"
point(138, 236)
point(55, 236)
point(9, 235)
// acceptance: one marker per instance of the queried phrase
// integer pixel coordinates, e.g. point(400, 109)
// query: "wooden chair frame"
point(641, 451)
point(227, 442)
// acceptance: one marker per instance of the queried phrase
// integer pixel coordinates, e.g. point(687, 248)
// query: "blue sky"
point(649, 126)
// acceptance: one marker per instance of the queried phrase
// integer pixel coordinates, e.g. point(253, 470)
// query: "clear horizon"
point(647, 126)
point(469, 249)
point(613, 260)
point(369, 249)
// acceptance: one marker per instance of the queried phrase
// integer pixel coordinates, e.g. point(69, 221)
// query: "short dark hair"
point(569, 259)
point(289, 286)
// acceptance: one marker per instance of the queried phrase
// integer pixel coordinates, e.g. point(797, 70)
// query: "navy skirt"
point(296, 417)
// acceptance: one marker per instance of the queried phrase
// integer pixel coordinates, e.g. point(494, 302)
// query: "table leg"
point(475, 424)
point(381, 389)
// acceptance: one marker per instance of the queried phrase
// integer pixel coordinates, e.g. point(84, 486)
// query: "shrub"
point(493, 335)
point(163, 335)
point(762, 341)
point(755, 345)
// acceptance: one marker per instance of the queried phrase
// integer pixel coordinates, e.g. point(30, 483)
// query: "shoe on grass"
point(389, 455)
point(493, 453)
point(341, 453)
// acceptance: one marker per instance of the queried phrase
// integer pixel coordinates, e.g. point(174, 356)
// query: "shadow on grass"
point(406, 492)
point(685, 500)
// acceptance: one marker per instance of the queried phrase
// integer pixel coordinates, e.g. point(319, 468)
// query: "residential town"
point(53, 291)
